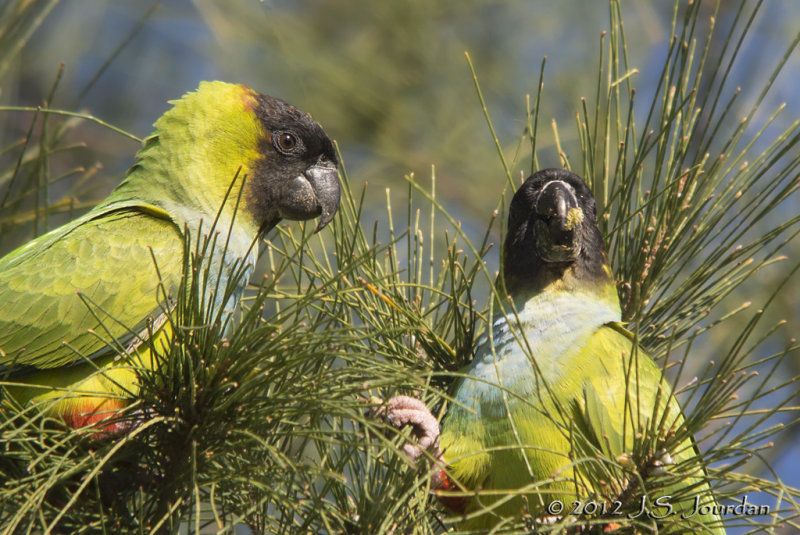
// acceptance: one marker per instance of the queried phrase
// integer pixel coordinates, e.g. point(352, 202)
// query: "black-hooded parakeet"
point(559, 382)
point(224, 160)
point(560, 412)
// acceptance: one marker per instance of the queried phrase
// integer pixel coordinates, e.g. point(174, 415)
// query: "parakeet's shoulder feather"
point(56, 290)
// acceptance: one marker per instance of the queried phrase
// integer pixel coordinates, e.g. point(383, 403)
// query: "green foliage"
point(267, 425)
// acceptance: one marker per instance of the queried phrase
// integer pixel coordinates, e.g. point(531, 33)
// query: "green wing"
point(69, 293)
point(610, 353)
point(647, 406)
point(607, 402)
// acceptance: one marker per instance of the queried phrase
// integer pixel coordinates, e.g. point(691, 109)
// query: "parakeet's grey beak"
point(558, 223)
point(314, 193)
point(325, 181)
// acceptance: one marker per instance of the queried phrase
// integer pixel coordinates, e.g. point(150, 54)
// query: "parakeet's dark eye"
point(285, 142)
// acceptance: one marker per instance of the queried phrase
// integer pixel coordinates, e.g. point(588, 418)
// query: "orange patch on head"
point(248, 97)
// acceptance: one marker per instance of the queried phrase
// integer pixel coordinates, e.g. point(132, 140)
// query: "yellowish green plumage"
point(558, 383)
point(224, 160)
point(53, 312)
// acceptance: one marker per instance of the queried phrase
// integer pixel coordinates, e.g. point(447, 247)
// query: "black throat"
point(526, 272)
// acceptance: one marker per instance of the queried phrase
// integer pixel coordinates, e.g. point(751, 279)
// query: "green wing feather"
point(68, 294)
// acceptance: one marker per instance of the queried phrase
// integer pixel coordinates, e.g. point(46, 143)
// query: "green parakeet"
point(559, 383)
point(225, 160)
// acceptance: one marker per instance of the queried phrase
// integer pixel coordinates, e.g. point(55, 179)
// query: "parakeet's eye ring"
point(286, 142)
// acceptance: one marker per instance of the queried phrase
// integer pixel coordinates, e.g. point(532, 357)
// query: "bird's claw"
point(401, 411)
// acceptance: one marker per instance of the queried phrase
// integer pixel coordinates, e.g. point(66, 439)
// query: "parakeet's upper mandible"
point(559, 384)
point(224, 160)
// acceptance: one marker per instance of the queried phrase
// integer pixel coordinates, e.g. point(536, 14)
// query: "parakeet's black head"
point(296, 177)
point(552, 230)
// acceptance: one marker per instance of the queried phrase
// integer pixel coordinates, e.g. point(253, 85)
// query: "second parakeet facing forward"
point(224, 161)
point(560, 381)
point(557, 386)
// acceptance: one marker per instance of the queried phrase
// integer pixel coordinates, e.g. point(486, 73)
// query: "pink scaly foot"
point(401, 411)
